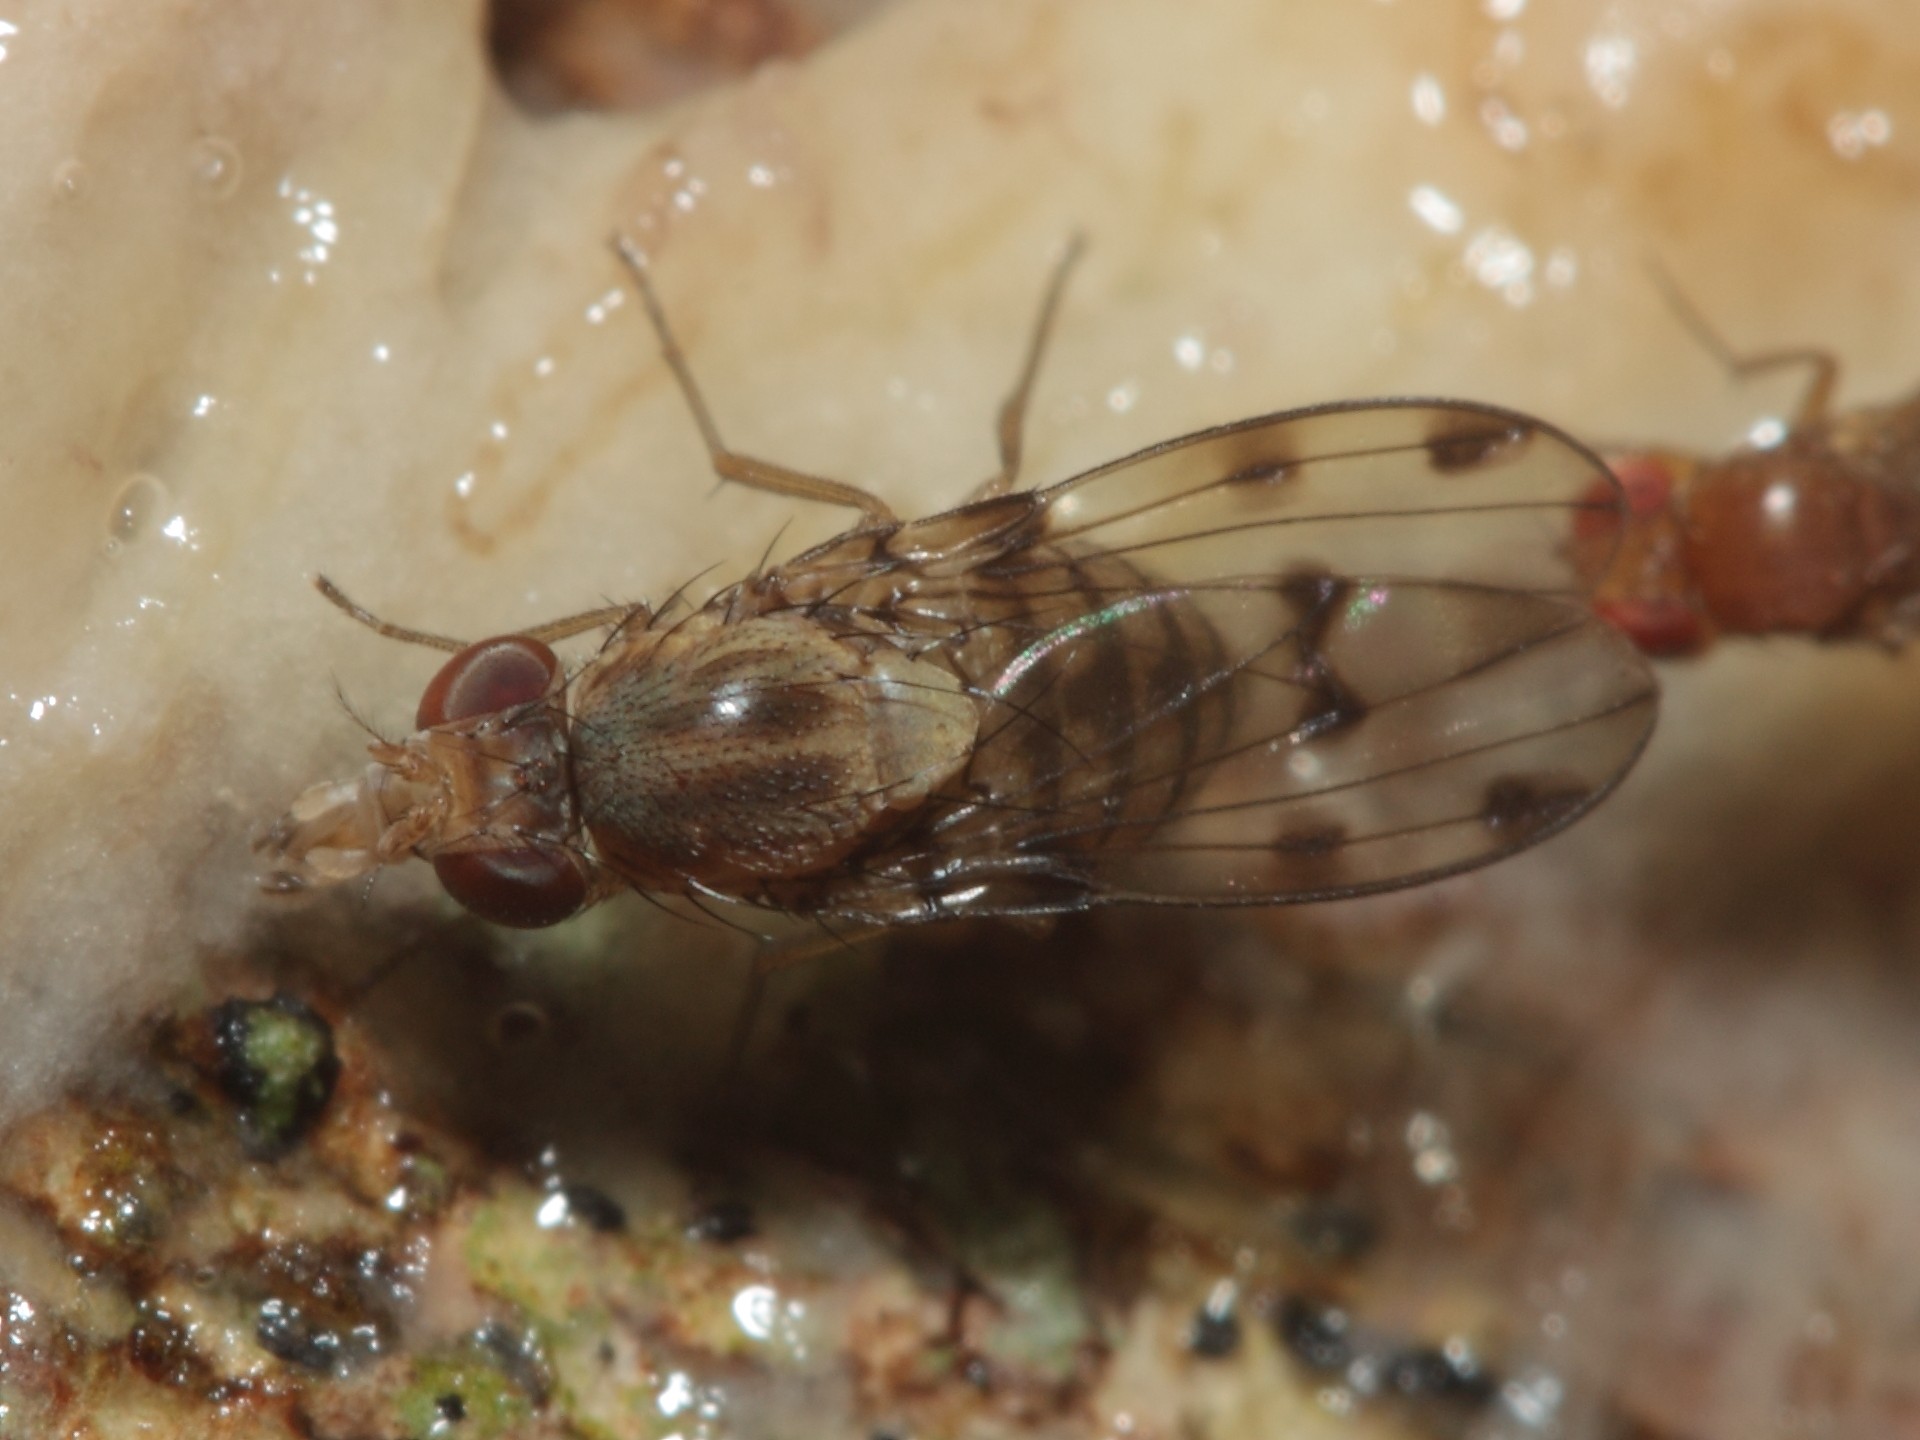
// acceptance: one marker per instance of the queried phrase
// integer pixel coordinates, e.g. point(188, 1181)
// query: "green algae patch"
point(465, 1395)
point(278, 1065)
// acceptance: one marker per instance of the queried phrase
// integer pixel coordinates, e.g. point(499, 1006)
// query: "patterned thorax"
point(736, 753)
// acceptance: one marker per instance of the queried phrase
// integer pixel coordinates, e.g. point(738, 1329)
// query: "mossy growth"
point(465, 1394)
point(277, 1064)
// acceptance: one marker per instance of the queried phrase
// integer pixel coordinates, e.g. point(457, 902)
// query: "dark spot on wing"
point(1529, 807)
point(1469, 444)
point(1257, 457)
point(1328, 703)
point(1315, 594)
point(1310, 841)
point(1311, 854)
point(1260, 472)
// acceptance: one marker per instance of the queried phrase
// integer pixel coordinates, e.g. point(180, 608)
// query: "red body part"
point(1816, 536)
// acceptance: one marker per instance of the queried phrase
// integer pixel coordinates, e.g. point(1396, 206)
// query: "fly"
point(1306, 656)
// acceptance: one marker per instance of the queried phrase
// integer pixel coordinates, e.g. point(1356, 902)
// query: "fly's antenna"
point(336, 596)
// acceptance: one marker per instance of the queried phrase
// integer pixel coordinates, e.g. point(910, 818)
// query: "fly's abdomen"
point(1060, 648)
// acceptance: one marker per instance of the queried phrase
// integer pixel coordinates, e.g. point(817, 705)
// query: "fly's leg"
point(727, 464)
point(1823, 370)
point(1011, 428)
point(769, 959)
point(552, 630)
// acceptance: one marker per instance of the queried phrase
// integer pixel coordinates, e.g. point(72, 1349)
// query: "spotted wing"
point(1310, 656)
point(1435, 489)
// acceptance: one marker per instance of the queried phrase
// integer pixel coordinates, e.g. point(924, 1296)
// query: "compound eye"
point(491, 675)
point(524, 888)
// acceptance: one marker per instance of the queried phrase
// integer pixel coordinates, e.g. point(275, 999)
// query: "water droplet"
point(141, 503)
point(216, 166)
point(70, 180)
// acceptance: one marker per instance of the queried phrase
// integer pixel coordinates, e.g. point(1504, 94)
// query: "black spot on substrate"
point(1434, 1375)
point(1469, 449)
point(1215, 1331)
point(276, 1062)
point(1315, 1334)
point(519, 1356)
point(161, 1350)
point(450, 1408)
point(1323, 1337)
point(594, 1208)
point(725, 1222)
point(1330, 1231)
point(285, 1332)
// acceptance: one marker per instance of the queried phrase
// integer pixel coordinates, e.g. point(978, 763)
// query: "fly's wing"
point(1434, 489)
point(1305, 657)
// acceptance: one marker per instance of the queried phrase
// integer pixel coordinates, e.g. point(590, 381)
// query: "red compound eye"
point(491, 675)
point(523, 888)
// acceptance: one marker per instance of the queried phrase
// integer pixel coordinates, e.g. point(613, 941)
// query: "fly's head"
point(482, 790)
